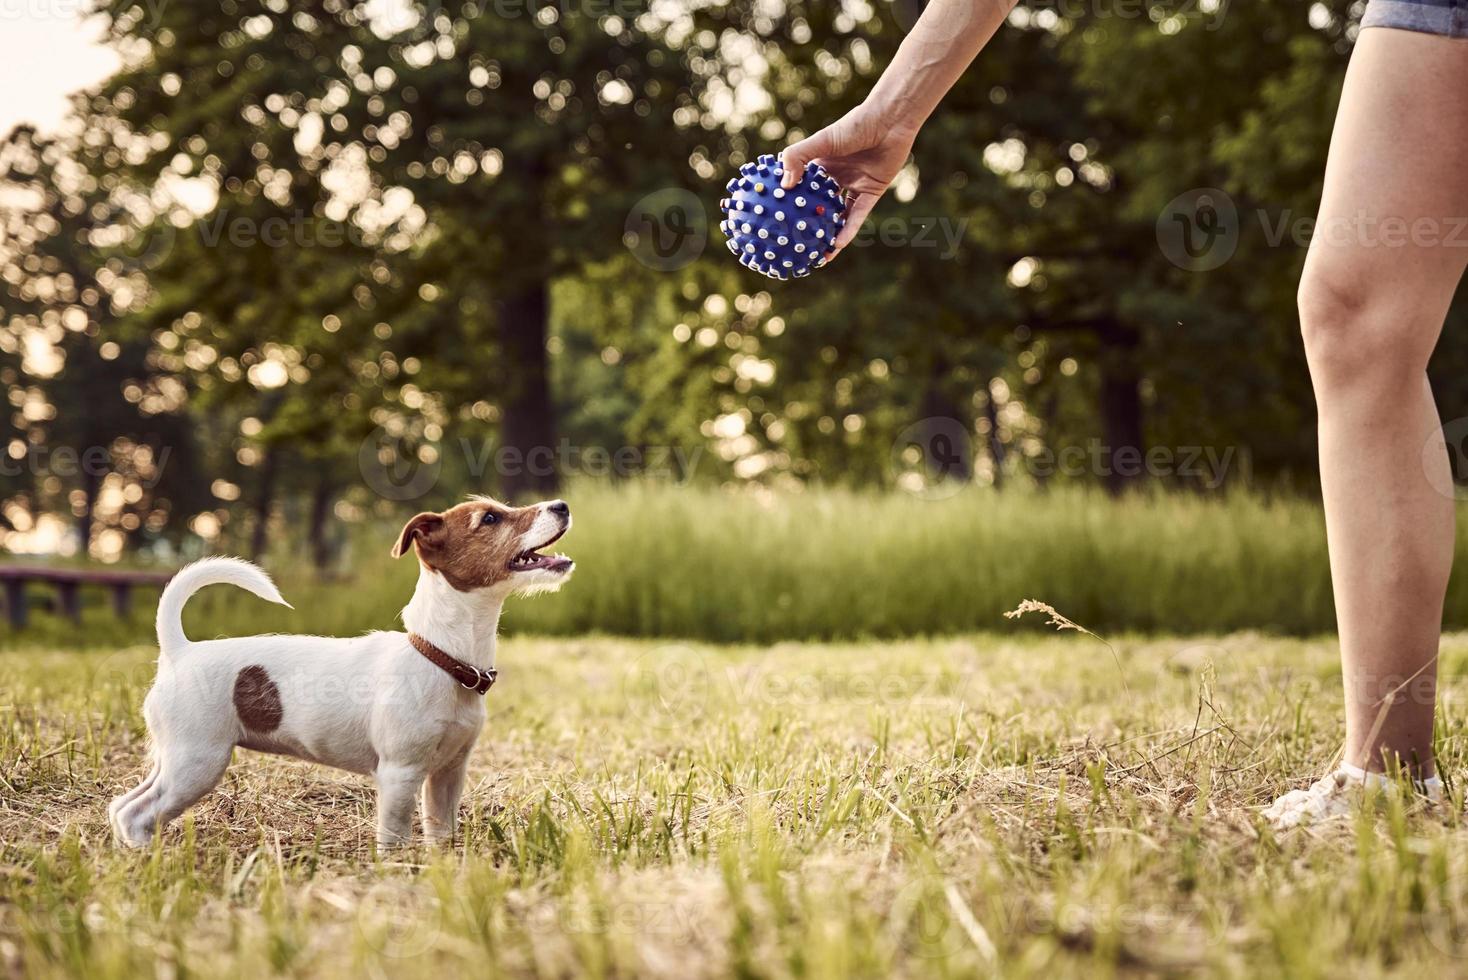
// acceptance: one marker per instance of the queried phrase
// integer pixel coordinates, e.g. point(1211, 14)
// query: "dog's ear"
point(425, 527)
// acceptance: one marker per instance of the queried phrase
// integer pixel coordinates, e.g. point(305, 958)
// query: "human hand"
point(862, 152)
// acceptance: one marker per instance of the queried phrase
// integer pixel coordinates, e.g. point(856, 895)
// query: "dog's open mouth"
point(532, 560)
point(529, 560)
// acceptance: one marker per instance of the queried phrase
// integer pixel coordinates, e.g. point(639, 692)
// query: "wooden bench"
point(68, 583)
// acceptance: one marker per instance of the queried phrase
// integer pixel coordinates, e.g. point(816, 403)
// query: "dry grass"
point(980, 805)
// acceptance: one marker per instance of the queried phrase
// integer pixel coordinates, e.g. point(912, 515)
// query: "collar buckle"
point(469, 677)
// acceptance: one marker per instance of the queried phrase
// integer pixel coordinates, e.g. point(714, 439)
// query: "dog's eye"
point(490, 517)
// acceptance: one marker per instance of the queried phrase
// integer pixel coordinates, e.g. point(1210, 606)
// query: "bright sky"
point(46, 53)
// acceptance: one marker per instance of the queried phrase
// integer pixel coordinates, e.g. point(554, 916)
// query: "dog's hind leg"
point(185, 777)
point(115, 807)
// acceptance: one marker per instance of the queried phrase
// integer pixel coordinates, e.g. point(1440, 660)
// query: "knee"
point(399, 782)
point(1359, 333)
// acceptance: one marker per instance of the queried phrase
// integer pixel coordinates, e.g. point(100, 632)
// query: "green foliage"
point(415, 227)
point(92, 414)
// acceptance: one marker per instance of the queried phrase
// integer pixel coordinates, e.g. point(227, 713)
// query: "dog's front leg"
point(441, 793)
point(397, 797)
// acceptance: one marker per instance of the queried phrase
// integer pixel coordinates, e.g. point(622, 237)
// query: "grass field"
point(989, 804)
point(747, 567)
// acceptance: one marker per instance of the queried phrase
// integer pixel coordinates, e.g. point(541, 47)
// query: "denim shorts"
point(1446, 17)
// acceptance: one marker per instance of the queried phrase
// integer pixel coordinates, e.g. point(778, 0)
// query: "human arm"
point(865, 149)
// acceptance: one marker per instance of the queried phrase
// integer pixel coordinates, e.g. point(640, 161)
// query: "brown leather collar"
point(468, 676)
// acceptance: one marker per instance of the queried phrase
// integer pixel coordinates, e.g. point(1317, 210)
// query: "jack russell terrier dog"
point(404, 708)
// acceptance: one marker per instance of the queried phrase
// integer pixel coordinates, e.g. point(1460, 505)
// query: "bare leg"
point(441, 793)
point(1383, 265)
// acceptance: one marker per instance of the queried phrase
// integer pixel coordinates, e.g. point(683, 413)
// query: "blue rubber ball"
point(782, 233)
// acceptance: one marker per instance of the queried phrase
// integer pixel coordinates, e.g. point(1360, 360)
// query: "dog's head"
point(483, 544)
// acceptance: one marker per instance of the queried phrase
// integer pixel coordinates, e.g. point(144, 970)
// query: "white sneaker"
point(1338, 794)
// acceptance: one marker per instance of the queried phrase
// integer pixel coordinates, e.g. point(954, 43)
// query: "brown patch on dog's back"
point(257, 700)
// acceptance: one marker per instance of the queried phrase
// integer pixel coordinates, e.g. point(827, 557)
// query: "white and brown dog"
point(404, 708)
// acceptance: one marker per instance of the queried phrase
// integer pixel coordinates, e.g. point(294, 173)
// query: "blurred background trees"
point(296, 253)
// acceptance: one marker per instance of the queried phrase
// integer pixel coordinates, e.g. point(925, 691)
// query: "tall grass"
point(729, 566)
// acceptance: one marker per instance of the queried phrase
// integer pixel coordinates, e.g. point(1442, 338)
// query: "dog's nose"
point(559, 507)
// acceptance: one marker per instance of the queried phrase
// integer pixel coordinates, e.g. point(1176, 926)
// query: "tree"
point(528, 133)
point(98, 413)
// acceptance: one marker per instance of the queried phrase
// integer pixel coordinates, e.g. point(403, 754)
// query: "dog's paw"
point(126, 835)
point(130, 841)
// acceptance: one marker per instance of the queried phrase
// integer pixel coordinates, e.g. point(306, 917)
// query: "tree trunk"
point(946, 431)
point(527, 461)
point(996, 445)
point(317, 540)
point(264, 504)
point(1048, 410)
point(1123, 455)
point(91, 484)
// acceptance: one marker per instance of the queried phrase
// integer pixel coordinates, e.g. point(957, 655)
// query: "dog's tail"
point(192, 578)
